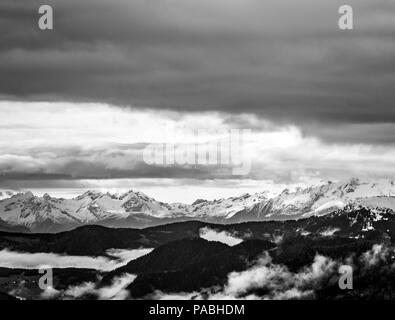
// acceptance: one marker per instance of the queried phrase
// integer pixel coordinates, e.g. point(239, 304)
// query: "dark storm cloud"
point(282, 60)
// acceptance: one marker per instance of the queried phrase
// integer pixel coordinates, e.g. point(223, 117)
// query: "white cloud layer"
point(12, 259)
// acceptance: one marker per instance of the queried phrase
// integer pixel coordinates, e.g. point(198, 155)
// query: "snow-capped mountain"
point(49, 214)
point(226, 208)
point(4, 194)
point(135, 209)
point(322, 199)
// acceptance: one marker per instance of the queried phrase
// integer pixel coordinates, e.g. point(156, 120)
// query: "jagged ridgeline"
point(25, 212)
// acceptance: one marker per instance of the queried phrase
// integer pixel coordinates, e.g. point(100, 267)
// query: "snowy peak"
point(325, 198)
point(89, 208)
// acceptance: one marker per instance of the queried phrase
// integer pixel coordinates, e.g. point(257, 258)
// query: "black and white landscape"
point(184, 149)
point(247, 247)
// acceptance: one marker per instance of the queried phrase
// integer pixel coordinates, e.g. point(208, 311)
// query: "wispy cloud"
point(115, 291)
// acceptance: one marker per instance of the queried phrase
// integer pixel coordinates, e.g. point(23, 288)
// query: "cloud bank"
point(19, 260)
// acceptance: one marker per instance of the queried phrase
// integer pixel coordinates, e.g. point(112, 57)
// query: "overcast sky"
point(79, 104)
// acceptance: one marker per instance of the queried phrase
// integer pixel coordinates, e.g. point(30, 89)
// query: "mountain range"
point(25, 212)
